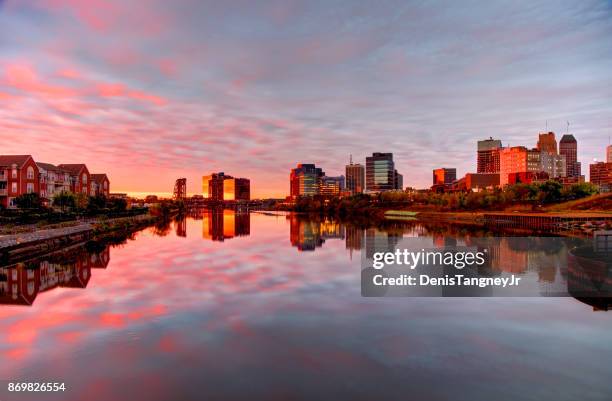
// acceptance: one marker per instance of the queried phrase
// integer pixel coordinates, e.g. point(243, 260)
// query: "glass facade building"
point(305, 180)
point(380, 173)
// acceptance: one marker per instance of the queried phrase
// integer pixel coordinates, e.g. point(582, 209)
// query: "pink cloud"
point(120, 90)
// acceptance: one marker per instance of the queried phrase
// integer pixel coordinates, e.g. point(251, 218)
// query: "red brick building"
point(18, 175)
point(100, 185)
point(80, 179)
point(601, 174)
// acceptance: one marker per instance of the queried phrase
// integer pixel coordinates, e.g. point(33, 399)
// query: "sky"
point(152, 90)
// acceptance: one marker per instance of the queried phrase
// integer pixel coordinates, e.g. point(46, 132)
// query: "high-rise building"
point(398, 181)
point(444, 176)
point(488, 155)
point(380, 172)
point(236, 189)
point(601, 174)
point(305, 180)
point(609, 154)
point(554, 165)
point(514, 160)
point(568, 147)
point(547, 142)
point(355, 178)
point(331, 186)
point(220, 187)
point(212, 186)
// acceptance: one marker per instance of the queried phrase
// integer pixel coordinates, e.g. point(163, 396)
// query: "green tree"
point(28, 201)
point(550, 192)
point(64, 200)
point(81, 201)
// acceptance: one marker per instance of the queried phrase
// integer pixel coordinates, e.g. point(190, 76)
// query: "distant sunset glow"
point(150, 91)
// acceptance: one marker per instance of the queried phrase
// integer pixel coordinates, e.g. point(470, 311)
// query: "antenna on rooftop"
point(568, 127)
point(546, 125)
point(351, 159)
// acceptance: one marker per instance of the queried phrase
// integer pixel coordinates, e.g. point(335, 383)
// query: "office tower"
point(609, 154)
point(568, 147)
point(355, 178)
point(398, 181)
point(331, 186)
point(212, 186)
point(236, 189)
point(512, 160)
point(488, 155)
point(601, 173)
point(220, 187)
point(380, 172)
point(547, 142)
point(305, 180)
point(553, 165)
point(444, 176)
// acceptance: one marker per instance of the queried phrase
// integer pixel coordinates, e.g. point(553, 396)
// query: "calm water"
point(269, 307)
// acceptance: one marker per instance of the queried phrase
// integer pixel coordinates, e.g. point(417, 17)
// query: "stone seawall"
point(20, 246)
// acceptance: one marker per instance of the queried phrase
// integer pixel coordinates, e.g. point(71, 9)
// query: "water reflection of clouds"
point(171, 311)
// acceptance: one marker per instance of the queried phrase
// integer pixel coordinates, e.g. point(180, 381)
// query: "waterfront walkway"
point(9, 241)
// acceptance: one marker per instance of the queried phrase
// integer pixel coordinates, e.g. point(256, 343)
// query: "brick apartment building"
point(19, 175)
point(100, 185)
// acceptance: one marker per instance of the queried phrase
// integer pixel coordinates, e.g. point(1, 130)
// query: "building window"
point(14, 173)
point(14, 187)
point(30, 187)
point(84, 178)
point(105, 185)
point(30, 173)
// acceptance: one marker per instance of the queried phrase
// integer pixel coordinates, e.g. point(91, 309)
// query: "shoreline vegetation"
point(35, 229)
point(549, 200)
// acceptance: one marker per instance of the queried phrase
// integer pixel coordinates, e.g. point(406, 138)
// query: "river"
point(263, 306)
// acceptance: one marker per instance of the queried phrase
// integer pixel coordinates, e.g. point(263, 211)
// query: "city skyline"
point(152, 93)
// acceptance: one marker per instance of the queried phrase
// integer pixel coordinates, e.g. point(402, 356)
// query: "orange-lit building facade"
point(444, 176)
point(221, 187)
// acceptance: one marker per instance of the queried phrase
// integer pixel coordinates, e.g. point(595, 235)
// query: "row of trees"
point(540, 194)
point(71, 202)
point(532, 194)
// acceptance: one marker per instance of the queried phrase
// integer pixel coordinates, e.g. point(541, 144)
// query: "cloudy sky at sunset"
point(151, 90)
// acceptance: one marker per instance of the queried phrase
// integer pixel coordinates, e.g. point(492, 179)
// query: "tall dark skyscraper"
point(380, 172)
point(355, 178)
point(488, 156)
point(568, 147)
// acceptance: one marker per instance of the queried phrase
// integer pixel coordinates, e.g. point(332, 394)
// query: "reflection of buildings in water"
point(381, 241)
point(21, 283)
point(304, 234)
point(503, 256)
point(354, 237)
point(100, 260)
point(221, 225)
point(589, 277)
point(443, 241)
point(307, 235)
point(180, 226)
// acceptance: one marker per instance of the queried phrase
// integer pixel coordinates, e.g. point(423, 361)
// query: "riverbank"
point(25, 245)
